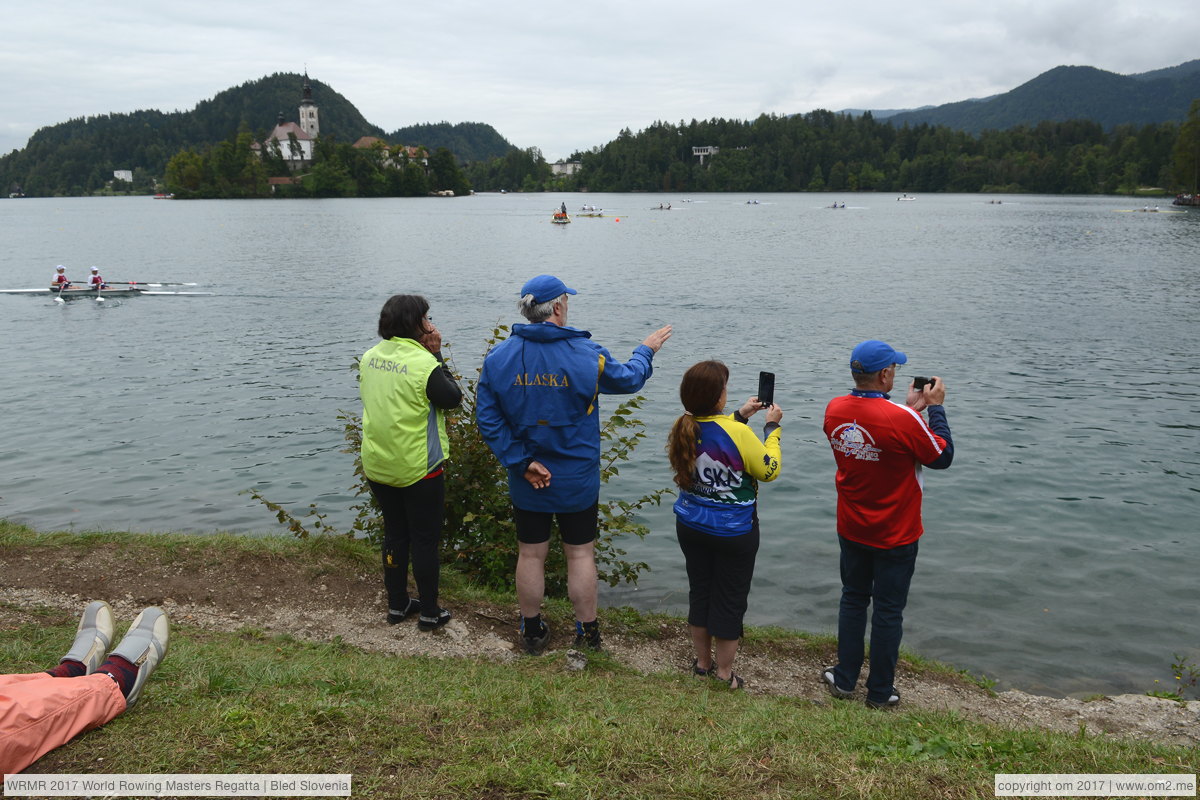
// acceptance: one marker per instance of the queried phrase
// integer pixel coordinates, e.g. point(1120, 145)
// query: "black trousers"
point(719, 570)
point(412, 527)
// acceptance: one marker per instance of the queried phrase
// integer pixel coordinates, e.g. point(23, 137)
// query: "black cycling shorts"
point(574, 527)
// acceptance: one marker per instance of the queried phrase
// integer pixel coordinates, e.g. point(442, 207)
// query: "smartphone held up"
point(766, 389)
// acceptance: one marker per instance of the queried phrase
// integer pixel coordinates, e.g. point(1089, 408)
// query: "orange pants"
point(39, 713)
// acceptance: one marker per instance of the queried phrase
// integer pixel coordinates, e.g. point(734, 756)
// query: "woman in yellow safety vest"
point(405, 388)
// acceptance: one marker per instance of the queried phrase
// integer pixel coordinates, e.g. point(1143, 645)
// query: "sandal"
point(428, 624)
point(735, 681)
point(698, 670)
point(411, 607)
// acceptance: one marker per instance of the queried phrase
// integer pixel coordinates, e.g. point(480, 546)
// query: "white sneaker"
point(144, 645)
point(93, 636)
point(834, 689)
point(892, 701)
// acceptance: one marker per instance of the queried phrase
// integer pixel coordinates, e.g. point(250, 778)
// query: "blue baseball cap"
point(545, 288)
point(873, 355)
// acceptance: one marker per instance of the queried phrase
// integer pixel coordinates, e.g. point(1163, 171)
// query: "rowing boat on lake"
point(76, 292)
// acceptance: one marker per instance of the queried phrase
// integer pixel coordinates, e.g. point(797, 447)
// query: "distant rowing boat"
point(76, 292)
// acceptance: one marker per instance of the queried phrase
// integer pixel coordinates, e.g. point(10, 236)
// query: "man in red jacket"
point(879, 447)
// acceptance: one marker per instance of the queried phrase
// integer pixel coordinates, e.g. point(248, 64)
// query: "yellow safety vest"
point(403, 434)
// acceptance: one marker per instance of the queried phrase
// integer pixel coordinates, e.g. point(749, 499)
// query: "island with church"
point(296, 160)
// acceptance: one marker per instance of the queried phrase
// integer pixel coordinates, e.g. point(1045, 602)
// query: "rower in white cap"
point(96, 281)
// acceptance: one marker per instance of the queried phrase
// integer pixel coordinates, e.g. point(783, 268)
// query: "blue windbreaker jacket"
point(537, 399)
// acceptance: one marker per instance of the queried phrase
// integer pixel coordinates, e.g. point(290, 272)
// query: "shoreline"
point(329, 590)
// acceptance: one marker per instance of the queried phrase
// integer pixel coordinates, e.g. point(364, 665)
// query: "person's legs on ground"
point(424, 510)
point(702, 646)
point(731, 578)
point(533, 545)
point(582, 589)
point(857, 577)
point(578, 532)
point(893, 575)
point(698, 560)
point(394, 551)
point(39, 713)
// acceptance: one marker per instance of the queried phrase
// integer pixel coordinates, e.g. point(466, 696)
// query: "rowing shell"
point(76, 292)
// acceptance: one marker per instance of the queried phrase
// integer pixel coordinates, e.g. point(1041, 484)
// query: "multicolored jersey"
point(879, 447)
point(730, 460)
point(97, 281)
point(59, 277)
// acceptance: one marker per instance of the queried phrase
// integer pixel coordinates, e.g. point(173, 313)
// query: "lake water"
point(1061, 549)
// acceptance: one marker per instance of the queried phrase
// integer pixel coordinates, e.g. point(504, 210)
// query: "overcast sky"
point(569, 75)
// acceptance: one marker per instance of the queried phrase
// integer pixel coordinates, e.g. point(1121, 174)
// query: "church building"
point(295, 141)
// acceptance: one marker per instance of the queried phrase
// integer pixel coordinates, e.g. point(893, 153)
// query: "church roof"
point(283, 129)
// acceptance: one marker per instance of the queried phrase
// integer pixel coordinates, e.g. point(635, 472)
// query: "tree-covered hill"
point(469, 141)
point(823, 151)
point(78, 156)
point(1070, 93)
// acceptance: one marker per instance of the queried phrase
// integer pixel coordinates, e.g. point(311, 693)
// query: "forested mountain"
point(469, 141)
point(823, 151)
point(1068, 93)
point(78, 156)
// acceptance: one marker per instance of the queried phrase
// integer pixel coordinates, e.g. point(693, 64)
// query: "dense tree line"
point(78, 157)
point(469, 141)
point(823, 151)
point(235, 169)
point(518, 171)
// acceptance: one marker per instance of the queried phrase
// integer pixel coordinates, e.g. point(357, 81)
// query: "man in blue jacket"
point(536, 407)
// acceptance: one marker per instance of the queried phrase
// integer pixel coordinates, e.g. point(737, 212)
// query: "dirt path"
point(325, 598)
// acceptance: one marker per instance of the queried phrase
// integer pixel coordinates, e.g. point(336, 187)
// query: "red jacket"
point(879, 447)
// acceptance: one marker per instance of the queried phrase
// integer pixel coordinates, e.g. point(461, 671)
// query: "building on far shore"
point(561, 167)
point(416, 155)
point(295, 141)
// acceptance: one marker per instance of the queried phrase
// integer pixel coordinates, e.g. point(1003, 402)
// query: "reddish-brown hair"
point(700, 392)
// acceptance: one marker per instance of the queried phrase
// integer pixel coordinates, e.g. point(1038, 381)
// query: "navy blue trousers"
point(871, 575)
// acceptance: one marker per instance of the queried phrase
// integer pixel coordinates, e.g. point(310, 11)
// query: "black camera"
point(919, 383)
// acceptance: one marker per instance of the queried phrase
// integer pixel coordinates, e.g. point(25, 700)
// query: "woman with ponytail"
point(718, 461)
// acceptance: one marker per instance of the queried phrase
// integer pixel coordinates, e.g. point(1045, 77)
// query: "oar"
point(61, 288)
point(143, 283)
point(99, 288)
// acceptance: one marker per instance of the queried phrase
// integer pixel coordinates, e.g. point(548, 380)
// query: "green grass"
point(248, 702)
point(418, 727)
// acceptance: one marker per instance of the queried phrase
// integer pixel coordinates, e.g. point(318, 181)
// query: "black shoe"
point(892, 701)
point(433, 623)
point(412, 606)
point(834, 689)
point(587, 635)
point(535, 644)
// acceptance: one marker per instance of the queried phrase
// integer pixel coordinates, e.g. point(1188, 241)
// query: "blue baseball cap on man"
point(873, 355)
point(545, 288)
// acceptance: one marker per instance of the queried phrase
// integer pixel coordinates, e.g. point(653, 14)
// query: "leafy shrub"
point(479, 537)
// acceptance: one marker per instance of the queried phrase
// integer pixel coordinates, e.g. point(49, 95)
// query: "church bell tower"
point(308, 111)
